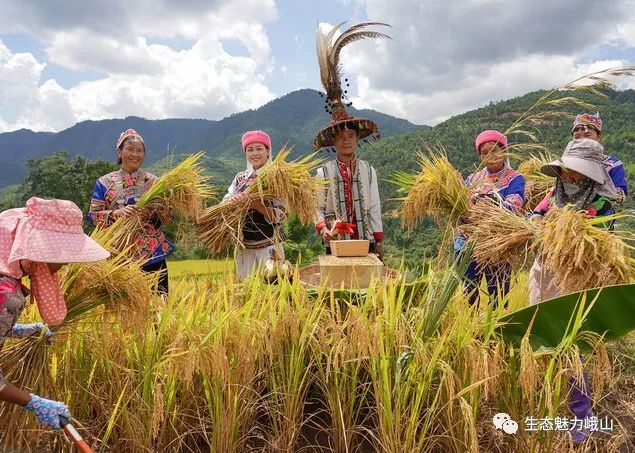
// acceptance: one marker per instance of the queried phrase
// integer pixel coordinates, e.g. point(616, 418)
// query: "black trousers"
point(162, 267)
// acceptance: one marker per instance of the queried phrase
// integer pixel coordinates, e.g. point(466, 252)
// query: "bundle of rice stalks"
point(222, 224)
point(499, 235)
point(117, 283)
point(581, 253)
point(438, 190)
point(181, 191)
point(289, 182)
point(537, 184)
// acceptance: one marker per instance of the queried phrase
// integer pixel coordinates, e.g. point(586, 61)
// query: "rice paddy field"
point(225, 367)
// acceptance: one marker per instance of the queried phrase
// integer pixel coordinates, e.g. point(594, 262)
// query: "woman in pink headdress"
point(115, 195)
point(262, 233)
point(496, 181)
point(36, 241)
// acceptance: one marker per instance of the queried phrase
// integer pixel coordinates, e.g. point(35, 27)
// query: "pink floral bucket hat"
point(45, 231)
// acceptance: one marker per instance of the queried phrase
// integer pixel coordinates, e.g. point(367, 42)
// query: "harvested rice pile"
point(581, 253)
point(500, 235)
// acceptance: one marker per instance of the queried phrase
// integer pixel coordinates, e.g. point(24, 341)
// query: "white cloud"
point(150, 80)
point(23, 95)
point(446, 58)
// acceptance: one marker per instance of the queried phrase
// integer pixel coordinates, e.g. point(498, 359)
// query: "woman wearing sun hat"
point(115, 195)
point(36, 241)
point(497, 181)
point(583, 182)
point(262, 233)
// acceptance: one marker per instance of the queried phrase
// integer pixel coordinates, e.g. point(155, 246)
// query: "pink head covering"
point(490, 136)
point(256, 137)
point(129, 133)
point(45, 231)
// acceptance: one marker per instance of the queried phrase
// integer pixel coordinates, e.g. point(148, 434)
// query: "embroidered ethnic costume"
point(119, 189)
point(350, 193)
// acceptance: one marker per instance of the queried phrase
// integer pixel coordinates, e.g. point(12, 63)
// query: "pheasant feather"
point(328, 52)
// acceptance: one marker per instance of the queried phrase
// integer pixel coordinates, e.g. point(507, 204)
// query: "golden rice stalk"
point(290, 182)
point(499, 235)
point(438, 190)
point(581, 253)
point(181, 190)
point(117, 284)
point(220, 225)
point(537, 184)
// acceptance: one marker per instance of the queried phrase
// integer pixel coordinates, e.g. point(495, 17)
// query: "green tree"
point(56, 176)
point(301, 241)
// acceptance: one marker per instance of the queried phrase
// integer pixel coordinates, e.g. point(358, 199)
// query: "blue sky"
point(64, 61)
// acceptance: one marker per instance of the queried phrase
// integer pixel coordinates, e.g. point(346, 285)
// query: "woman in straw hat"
point(115, 195)
point(36, 241)
point(496, 181)
point(583, 182)
point(262, 233)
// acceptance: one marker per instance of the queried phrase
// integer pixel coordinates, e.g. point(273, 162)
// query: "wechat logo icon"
point(504, 421)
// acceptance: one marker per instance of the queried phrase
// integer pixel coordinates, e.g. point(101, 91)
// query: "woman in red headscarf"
point(498, 182)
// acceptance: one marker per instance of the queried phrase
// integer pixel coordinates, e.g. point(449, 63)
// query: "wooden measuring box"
point(353, 272)
point(350, 247)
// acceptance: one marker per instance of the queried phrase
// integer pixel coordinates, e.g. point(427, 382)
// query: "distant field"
point(183, 268)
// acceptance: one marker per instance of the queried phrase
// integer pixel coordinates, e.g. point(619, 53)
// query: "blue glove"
point(459, 243)
point(26, 330)
point(48, 412)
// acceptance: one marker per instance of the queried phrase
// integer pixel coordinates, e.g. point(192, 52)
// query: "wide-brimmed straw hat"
point(586, 157)
point(328, 52)
point(47, 231)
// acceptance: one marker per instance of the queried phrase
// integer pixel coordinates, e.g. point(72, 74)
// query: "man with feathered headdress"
point(348, 202)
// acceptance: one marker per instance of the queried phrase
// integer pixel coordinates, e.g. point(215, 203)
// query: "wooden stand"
point(353, 272)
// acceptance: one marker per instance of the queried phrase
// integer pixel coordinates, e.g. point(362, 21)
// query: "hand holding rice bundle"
point(134, 203)
point(257, 202)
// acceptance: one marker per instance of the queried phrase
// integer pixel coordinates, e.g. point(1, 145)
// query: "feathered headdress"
point(328, 52)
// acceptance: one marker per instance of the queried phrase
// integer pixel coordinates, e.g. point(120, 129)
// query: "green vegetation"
point(198, 268)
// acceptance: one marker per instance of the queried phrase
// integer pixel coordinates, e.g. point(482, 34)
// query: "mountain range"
point(293, 119)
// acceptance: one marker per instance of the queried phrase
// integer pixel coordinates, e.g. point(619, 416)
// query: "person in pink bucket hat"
point(262, 232)
point(36, 241)
point(115, 195)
